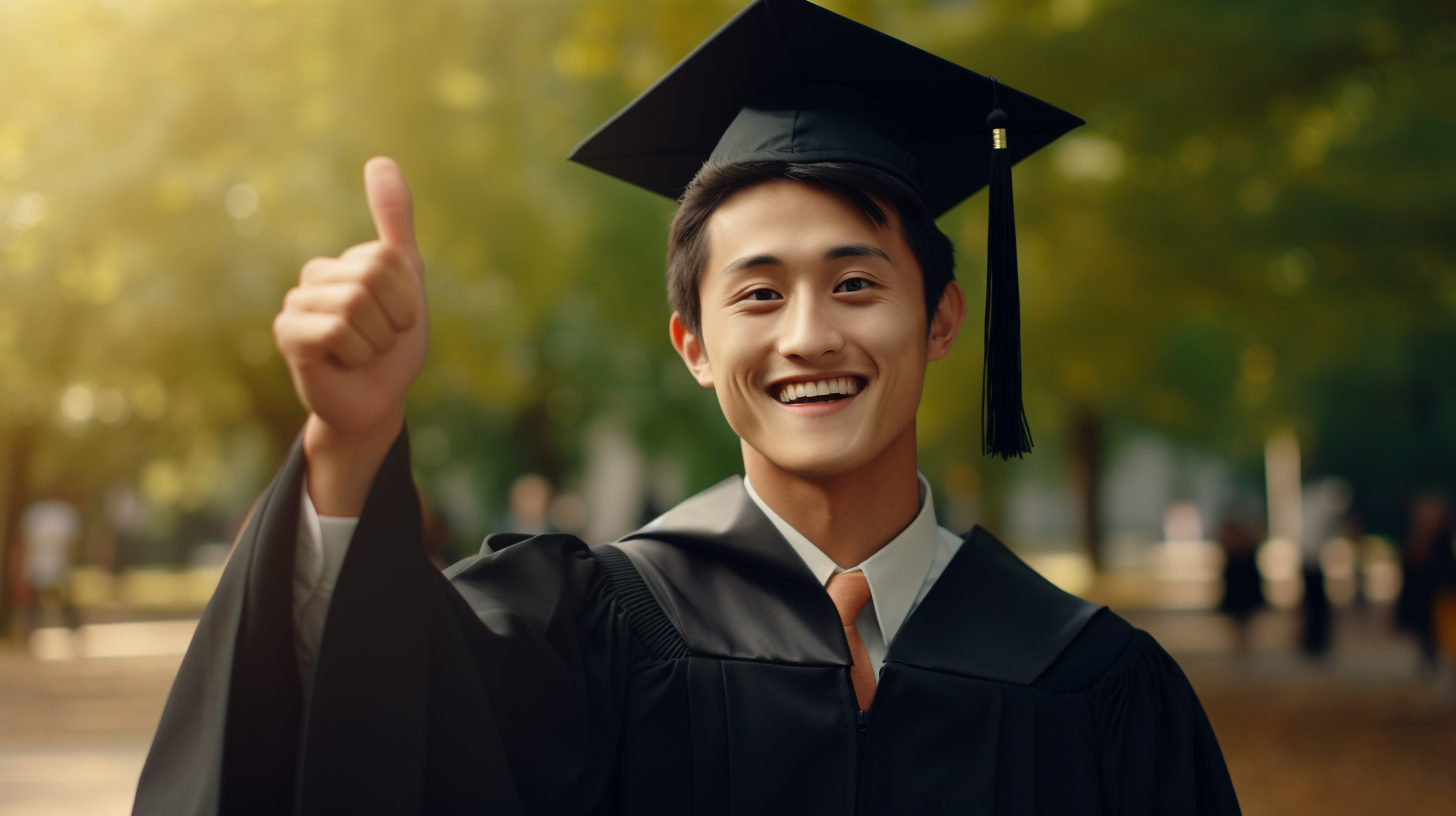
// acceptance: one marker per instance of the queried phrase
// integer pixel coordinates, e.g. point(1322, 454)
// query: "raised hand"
point(354, 334)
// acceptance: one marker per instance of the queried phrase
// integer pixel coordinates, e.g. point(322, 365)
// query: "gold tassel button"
point(998, 138)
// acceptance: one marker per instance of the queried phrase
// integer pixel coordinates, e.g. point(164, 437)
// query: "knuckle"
point(335, 332)
point(406, 307)
point(389, 256)
point(387, 262)
point(373, 276)
point(312, 267)
point(368, 249)
point(356, 300)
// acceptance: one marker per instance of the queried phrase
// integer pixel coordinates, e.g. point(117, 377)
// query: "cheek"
point(897, 345)
point(734, 356)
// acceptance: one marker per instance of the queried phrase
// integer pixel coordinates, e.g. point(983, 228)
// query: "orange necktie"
point(850, 591)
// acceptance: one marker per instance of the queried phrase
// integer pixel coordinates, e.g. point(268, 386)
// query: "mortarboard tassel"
point(1004, 431)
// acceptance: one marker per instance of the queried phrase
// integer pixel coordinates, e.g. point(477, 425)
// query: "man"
point(806, 639)
point(51, 530)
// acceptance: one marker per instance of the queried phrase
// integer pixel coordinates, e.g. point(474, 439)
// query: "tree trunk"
point(20, 444)
point(1087, 476)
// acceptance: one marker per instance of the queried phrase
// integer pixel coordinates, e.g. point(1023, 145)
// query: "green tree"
point(1248, 233)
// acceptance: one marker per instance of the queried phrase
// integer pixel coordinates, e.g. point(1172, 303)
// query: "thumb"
point(390, 203)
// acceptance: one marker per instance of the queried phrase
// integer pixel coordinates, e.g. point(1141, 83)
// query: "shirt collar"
point(895, 572)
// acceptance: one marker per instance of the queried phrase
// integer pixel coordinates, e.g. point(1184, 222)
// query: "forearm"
point(342, 465)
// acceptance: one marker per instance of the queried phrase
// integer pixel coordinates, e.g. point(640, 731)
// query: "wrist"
point(342, 463)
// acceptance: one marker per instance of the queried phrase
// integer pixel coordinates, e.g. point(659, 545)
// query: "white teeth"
point(848, 386)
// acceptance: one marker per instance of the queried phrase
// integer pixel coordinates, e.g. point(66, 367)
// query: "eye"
point(853, 285)
point(763, 294)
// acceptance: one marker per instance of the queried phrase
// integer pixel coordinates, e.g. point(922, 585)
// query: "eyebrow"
point(750, 262)
point(855, 251)
point(846, 251)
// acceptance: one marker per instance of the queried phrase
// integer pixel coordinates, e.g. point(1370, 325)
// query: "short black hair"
point(860, 185)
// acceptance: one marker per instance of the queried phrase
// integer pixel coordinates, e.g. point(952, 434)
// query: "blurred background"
point(1239, 306)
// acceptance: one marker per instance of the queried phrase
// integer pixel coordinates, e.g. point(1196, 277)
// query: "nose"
point(809, 331)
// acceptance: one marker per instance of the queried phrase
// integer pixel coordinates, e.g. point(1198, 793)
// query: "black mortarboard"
point(786, 80)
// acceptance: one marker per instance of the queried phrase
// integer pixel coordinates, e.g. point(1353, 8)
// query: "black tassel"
point(1004, 431)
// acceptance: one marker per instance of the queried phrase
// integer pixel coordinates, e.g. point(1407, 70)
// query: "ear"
point(691, 350)
point(945, 324)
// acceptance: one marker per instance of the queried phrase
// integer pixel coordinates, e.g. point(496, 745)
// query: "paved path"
point(1360, 733)
point(74, 777)
point(73, 734)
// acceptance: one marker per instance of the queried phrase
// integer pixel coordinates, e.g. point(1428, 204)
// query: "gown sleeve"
point(1158, 753)
point(498, 691)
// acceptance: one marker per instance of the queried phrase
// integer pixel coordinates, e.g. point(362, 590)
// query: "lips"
point(825, 390)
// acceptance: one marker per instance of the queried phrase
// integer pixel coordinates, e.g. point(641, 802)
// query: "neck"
point(849, 516)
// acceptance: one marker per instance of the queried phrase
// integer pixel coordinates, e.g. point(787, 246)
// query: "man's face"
point(814, 330)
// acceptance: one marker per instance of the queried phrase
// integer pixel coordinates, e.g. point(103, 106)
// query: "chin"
point(825, 459)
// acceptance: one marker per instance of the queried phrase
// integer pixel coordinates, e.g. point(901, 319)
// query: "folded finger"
point(316, 336)
point(393, 285)
point(354, 303)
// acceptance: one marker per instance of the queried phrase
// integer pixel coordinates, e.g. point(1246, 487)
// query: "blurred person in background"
point(804, 639)
point(530, 505)
point(1428, 565)
point(51, 531)
point(1326, 501)
point(1240, 534)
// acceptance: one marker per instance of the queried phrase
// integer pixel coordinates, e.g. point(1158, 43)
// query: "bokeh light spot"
point(1089, 156)
point(463, 89)
point(1291, 271)
point(1070, 15)
point(241, 201)
point(162, 482)
point(111, 407)
point(28, 210)
point(78, 403)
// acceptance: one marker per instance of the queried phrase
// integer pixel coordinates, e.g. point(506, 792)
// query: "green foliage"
point(1251, 225)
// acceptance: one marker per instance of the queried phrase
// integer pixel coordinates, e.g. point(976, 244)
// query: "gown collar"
point(735, 588)
point(895, 572)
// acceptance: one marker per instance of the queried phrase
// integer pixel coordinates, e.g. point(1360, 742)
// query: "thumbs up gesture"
point(354, 334)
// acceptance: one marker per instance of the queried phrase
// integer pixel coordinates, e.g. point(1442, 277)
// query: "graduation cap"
point(786, 80)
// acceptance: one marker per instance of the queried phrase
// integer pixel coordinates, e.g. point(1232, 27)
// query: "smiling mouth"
point(827, 390)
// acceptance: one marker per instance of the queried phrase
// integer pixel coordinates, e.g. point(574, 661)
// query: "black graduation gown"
point(696, 666)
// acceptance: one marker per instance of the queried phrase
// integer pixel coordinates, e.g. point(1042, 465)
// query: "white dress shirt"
point(322, 543)
point(900, 574)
